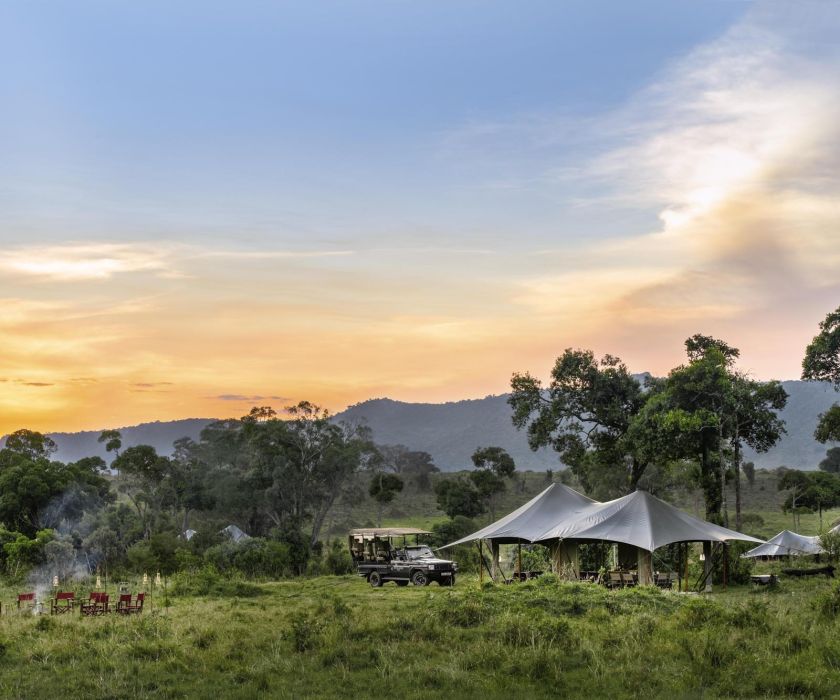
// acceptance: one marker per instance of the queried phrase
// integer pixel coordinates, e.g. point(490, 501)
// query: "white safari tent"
point(786, 544)
point(561, 519)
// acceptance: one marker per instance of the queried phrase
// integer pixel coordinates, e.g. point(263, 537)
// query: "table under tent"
point(562, 519)
point(787, 544)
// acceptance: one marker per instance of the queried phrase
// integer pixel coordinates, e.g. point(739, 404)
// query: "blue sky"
point(206, 202)
point(277, 122)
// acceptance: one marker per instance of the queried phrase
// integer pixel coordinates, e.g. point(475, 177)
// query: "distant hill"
point(161, 435)
point(452, 431)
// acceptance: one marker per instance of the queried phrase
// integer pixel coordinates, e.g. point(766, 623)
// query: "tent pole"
point(725, 563)
point(480, 563)
point(519, 560)
point(679, 566)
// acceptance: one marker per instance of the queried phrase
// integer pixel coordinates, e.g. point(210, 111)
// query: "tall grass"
point(337, 637)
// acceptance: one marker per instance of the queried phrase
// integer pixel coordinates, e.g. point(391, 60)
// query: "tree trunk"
point(722, 468)
point(711, 482)
point(318, 520)
point(737, 466)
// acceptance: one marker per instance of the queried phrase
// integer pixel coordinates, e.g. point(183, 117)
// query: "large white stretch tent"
point(787, 543)
point(641, 520)
point(561, 518)
point(529, 521)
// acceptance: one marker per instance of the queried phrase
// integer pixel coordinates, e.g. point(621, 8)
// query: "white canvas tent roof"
point(235, 533)
point(527, 522)
point(638, 519)
point(787, 543)
point(641, 520)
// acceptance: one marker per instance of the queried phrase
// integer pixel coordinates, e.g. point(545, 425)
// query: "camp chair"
point(97, 604)
point(627, 579)
point(124, 604)
point(138, 604)
point(63, 602)
point(614, 579)
point(26, 600)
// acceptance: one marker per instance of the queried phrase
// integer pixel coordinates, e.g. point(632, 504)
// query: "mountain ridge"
point(451, 431)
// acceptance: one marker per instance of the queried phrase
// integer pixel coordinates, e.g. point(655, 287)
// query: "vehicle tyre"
point(375, 579)
point(419, 578)
point(402, 583)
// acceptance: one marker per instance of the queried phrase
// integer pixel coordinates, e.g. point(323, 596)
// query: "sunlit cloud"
point(85, 261)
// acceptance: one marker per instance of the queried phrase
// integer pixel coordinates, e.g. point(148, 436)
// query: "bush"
point(255, 557)
point(209, 582)
point(827, 603)
point(738, 569)
point(337, 560)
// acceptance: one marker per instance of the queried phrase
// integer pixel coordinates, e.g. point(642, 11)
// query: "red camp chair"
point(97, 604)
point(26, 600)
point(63, 602)
point(124, 604)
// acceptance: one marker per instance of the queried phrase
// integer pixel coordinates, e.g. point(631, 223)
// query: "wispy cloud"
point(86, 261)
point(247, 397)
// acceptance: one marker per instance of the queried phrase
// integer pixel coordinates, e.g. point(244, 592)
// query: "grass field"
point(337, 637)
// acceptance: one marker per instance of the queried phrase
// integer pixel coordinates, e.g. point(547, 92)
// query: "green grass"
point(337, 637)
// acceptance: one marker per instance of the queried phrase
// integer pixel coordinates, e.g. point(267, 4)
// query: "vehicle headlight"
point(431, 567)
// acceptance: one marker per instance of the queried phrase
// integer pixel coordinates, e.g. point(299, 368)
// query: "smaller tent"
point(236, 535)
point(787, 543)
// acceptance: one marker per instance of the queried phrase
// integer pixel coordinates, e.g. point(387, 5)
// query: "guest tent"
point(640, 520)
point(561, 518)
point(528, 522)
point(787, 543)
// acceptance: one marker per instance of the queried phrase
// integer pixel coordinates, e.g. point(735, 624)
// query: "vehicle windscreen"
point(420, 553)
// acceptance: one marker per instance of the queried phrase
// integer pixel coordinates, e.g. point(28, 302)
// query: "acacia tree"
point(492, 466)
point(144, 479)
point(112, 440)
point(753, 419)
point(795, 482)
point(383, 488)
point(297, 468)
point(831, 461)
point(822, 363)
point(584, 414)
point(705, 406)
point(413, 466)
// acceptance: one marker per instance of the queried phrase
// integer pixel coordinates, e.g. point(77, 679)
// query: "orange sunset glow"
point(705, 199)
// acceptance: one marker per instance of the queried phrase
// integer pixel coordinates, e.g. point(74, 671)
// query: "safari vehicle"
point(383, 554)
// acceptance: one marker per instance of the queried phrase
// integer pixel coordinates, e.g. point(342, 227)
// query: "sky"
point(209, 206)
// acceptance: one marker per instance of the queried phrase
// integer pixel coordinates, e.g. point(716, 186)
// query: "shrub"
point(209, 582)
point(337, 560)
point(827, 603)
point(254, 557)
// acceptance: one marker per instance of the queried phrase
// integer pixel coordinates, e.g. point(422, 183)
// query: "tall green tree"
point(706, 410)
point(31, 444)
point(112, 440)
point(37, 492)
point(493, 466)
point(795, 482)
point(383, 488)
point(831, 461)
point(753, 418)
point(144, 477)
point(584, 414)
point(822, 363)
